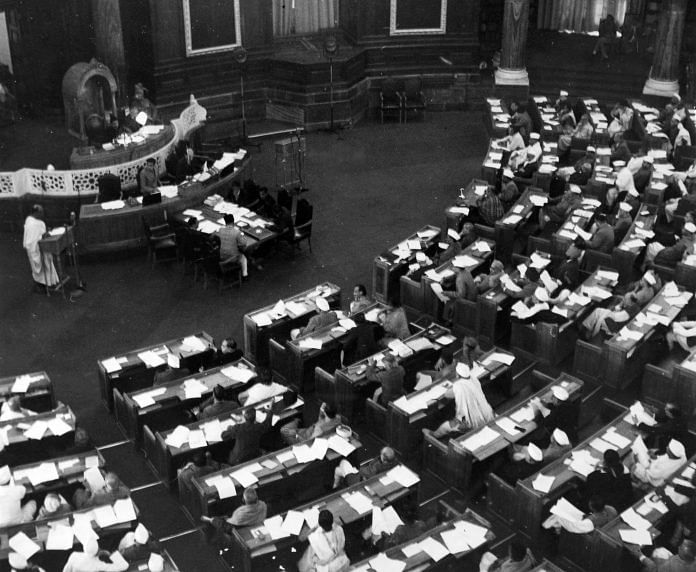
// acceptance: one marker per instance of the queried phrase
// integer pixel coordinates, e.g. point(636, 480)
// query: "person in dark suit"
point(532, 462)
point(219, 405)
point(247, 437)
point(391, 379)
point(185, 166)
point(244, 197)
point(362, 340)
point(267, 203)
point(568, 272)
point(603, 237)
point(171, 371)
point(228, 352)
point(610, 481)
point(555, 412)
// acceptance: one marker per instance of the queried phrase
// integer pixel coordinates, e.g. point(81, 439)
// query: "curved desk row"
point(101, 231)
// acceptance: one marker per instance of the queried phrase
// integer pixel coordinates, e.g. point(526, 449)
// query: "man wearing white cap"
point(137, 544)
point(530, 460)
point(89, 561)
point(11, 509)
point(655, 472)
point(324, 317)
point(599, 515)
point(562, 99)
point(559, 446)
point(623, 221)
point(171, 371)
point(472, 410)
point(555, 411)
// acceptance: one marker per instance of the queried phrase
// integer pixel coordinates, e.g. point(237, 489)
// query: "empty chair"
point(109, 188)
point(303, 224)
point(284, 199)
point(412, 97)
point(161, 242)
point(390, 102)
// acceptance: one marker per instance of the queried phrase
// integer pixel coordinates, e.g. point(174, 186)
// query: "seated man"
point(247, 437)
point(219, 405)
point(252, 513)
point(671, 423)
point(609, 320)
point(530, 463)
point(11, 509)
point(362, 341)
point(683, 561)
point(346, 474)
point(137, 544)
point(90, 559)
point(611, 480)
point(391, 379)
point(112, 491)
point(655, 471)
point(232, 245)
point(201, 465)
point(148, 179)
point(527, 284)
point(471, 351)
point(599, 515)
point(603, 237)
point(443, 369)
point(227, 353)
point(465, 289)
point(327, 420)
point(486, 282)
point(324, 317)
point(681, 332)
point(54, 505)
point(360, 301)
point(554, 412)
point(263, 389)
point(568, 271)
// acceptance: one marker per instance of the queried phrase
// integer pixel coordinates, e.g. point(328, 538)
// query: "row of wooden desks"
point(454, 544)
point(163, 406)
point(34, 390)
point(135, 369)
point(676, 386)
point(171, 449)
point(455, 462)
point(320, 348)
point(283, 478)
point(37, 437)
point(414, 353)
point(632, 245)
point(277, 320)
point(392, 264)
point(524, 209)
point(254, 548)
point(627, 352)
point(468, 198)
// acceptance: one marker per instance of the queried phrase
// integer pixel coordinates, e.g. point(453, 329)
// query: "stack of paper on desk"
point(403, 475)
point(481, 438)
point(310, 343)
point(582, 462)
point(178, 437)
point(358, 502)
point(147, 399)
point(340, 445)
point(241, 374)
point(543, 483)
point(151, 359)
point(382, 563)
point(400, 348)
point(464, 261)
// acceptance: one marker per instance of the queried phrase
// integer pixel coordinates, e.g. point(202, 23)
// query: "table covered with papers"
point(34, 437)
point(119, 226)
point(498, 115)
point(626, 353)
point(50, 541)
point(276, 541)
point(135, 369)
point(34, 390)
point(283, 478)
point(392, 264)
point(639, 234)
point(459, 542)
point(413, 353)
point(322, 348)
point(171, 449)
point(278, 319)
point(467, 198)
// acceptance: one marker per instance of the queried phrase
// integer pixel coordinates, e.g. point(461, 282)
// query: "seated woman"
point(326, 550)
point(583, 130)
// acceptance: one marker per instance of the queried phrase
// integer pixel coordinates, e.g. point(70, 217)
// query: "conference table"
point(171, 449)
point(389, 266)
point(118, 225)
point(276, 321)
point(626, 353)
point(465, 458)
point(162, 406)
point(37, 437)
point(416, 352)
point(458, 544)
point(35, 390)
point(135, 369)
point(283, 478)
point(320, 348)
point(269, 545)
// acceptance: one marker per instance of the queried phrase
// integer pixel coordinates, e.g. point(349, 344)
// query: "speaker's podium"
point(289, 161)
point(59, 242)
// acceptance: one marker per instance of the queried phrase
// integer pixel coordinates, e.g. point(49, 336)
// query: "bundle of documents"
point(400, 348)
point(151, 359)
point(567, 511)
point(465, 261)
point(238, 373)
point(358, 501)
point(481, 438)
point(113, 205)
point(543, 483)
point(582, 462)
point(147, 399)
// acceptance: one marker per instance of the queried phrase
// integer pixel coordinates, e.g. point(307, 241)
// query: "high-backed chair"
point(161, 242)
point(412, 98)
point(109, 188)
point(390, 100)
point(303, 224)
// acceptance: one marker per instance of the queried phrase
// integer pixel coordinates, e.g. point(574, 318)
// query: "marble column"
point(512, 70)
point(664, 74)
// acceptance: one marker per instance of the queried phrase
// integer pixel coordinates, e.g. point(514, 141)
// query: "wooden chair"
point(230, 274)
point(390, 100)
point(412, 98)
point(161, 242)
point(278, 361)
point(376, 419)
point(303, 224)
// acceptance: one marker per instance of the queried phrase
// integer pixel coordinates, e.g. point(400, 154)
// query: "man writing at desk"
point(148, 179)
point(232, 245)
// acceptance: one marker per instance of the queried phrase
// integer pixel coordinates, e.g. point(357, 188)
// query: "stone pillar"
point(512, 70)
point(664, 74)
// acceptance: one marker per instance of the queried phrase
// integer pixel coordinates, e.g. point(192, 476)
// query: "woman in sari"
point(325, 552)
point(42, 269)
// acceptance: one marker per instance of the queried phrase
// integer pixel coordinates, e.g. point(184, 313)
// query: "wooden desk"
point(101, 231)
point(479, 254)
point(70, 470)
point(302, 361)
point(352, 384)
point(506, 228)
point(254, 549)
point(554, 342)
point(463, 455)
point(38, 532)
point(456, 214)
point(298, 311)
point(56, 244)
point(393, 263)
point(406, 424)
point(169, 564)
point(167, 458)
point(533, 505)
point(464, 560)
point(35, 390)
point(547, 566)
point(132, 373)
point(493, 306)
point(623, 358)
point(496, 117)
point(255, 229)
point(610, 546)
point(100, 157)
point(21, 449)
point(625, 254)
point(171, 401)
point(283, 481)
point(581, 217)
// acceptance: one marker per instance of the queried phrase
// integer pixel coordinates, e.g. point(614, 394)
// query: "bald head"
point(387, 454)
